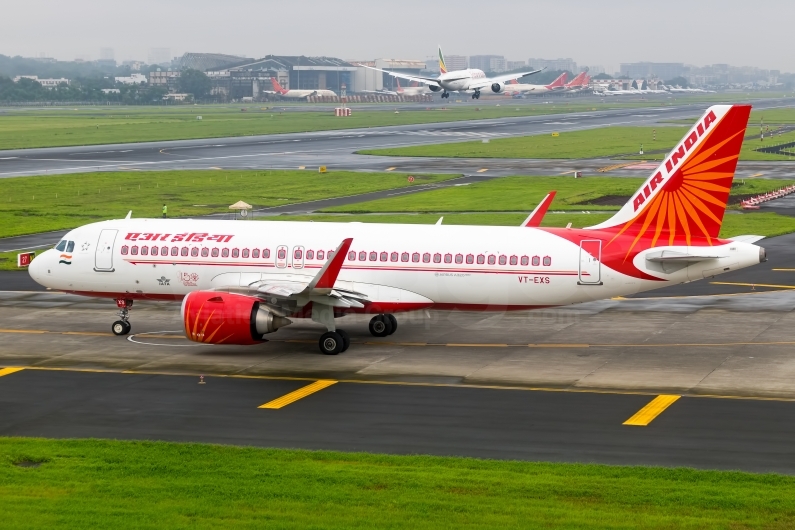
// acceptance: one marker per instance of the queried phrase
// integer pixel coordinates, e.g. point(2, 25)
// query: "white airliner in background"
point(299, 94)
point(558, 85)
point(239, 281)
point(469, 80)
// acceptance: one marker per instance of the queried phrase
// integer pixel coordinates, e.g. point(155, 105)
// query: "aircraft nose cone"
point(37, 268)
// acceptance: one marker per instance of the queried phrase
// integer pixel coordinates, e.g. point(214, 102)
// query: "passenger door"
point(103, 257)
point(590, 262)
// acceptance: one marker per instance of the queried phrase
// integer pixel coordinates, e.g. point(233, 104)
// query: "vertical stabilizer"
point(277, 87)
point(560, 82)
point(442, 66)
point(686, 196)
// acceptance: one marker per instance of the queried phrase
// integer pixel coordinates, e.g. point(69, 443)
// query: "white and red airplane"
point(557, 85)
point(239, 281)
point(299, 94)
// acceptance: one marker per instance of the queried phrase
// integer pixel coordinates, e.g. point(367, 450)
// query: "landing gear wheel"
point(381, 326)
point(346, 339)
point(331, 343)
point(120, 327)
point(393, 320)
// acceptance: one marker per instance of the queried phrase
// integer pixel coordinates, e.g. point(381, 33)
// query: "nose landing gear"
point(122, 326)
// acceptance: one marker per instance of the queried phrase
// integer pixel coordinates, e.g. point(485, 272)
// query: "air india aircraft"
point(239, 281)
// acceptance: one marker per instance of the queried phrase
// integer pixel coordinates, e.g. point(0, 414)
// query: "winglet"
point(129, 215)
point(327, 276)
point(439, 222)
point(534, 219)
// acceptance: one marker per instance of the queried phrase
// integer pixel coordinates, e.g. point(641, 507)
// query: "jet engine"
point(434, 88)
point(214, 317)
point(497, 88)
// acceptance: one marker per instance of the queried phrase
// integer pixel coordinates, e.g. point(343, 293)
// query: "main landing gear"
point(337, 340)
point(122, 326)
point(445, 95)
point(476, 95)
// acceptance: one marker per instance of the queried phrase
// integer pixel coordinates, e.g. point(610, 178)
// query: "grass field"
point(114, 484)
point(108, 125)
point(39, 204)
point(523, 193)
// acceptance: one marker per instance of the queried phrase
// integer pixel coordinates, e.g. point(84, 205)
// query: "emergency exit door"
point(590, 262)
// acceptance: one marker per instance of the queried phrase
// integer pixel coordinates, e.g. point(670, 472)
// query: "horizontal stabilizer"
point(746, 239)
point(668, 256)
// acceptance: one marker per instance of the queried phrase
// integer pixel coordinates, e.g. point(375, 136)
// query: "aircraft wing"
point(426, 80)
point(483, 83)
point(286, 296)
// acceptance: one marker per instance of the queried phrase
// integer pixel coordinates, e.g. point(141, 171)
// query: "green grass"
point(114, 484)
point(523, 193)
point(39, 204)
point(108, 125)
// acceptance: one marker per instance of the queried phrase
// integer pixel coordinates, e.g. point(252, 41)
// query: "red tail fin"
point(277, 87)
point(577, 81)
point(559, 82)
point(684, 200)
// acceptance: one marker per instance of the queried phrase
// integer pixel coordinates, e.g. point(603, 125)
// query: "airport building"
point(365, 79)
point(515, 65)
point(46, 83)
point(167, 79)
point(207, 61)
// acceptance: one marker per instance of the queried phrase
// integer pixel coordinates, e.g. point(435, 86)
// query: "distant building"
point(46, 83)
point(454, 62)
point(207, 61)
point(167, 79)
point(134, 79)
point(487, 62)
point(515, 65)
point(135, 66)
point(647, 70)
point(110, 91)
point(177, 97)
point(595, 69)
point(107, 54)
point(553, 64)
point(161, 56)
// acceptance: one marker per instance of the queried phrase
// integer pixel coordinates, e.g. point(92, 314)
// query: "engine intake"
point(434, 88)
point(497, 87)
point(214, 317)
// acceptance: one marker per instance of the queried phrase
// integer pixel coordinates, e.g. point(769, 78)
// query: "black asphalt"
point(489, 423)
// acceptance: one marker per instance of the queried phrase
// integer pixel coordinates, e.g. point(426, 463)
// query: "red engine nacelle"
point(226, 318)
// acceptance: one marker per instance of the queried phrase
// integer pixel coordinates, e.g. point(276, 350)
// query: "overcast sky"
point(592, 32)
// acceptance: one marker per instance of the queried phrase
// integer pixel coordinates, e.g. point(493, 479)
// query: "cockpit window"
point(70, 246)
point(61, 246)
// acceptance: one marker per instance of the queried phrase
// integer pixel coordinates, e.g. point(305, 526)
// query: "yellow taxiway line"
point(390, 169)
point(483, 170)
point(10, 370)
point(755, 285)
point(653, 409)
point(301, 393)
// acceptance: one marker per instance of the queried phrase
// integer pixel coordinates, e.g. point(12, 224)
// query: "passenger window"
point(144, 251)
point(405, 257)
point(448, 258)
point(297, 254)
point(426, 257)
point(459, 258)
point(330, 254)
point(214, 253)
point(536, 261)
point(503, 260)
point(481, 259)
point(525, 260)
point(384, 256)
point(393, 256)
point(225, 253)
point(154, 251)
point(194, 252)
point(373, 256)
point(255, 253)
point(437, 258)
point(164, 251)
point(362, 256)
point(245, 252)
point(351, 255)
point(321, 254)
point(470, 259)
point(70, 246)
point(266, 253)
point(134, 250)
point(415, 257)
point(124, 250)
point(282, 253)
point(184, 251)
point(492, 259)
point(547, 261)
point(61, 246)
point(205, 252)
point(514, 260)
point(310, 254)
point(235, 253)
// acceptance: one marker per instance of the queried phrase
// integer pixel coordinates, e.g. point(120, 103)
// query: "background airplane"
point(557, 85)
point(298, 94)
point(471, 79)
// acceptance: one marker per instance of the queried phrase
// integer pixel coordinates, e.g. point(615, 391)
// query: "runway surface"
point(332, 148)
